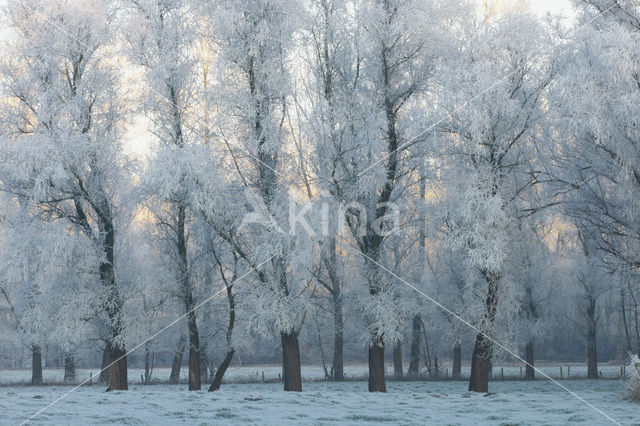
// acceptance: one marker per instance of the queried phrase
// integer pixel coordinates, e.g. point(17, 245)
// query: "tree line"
point(306, 158)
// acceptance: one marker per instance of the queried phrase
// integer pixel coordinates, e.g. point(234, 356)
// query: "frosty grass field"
point(444, 402)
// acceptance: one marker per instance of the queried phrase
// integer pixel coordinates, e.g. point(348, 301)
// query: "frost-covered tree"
point(496, 111)
point(591, 281)
point(368, 65)
point(398, 71)
point(535, 258)
point(632, 391)
point(249, 208)
point(595, 104)
point(326, 108)
point(630, 307)
point(48, 280)
point(61, 150)
point(597, 117)
point(161, 37)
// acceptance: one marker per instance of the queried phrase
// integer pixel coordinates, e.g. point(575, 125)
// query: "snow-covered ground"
point(514, 402)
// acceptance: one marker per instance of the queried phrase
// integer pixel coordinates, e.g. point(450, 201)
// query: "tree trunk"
point(69, 369)
point(206, 370)
point(337, 366)
point(456, 372)
point(592, 352)
point(194, 353)
point(117, 352)
point(192, 326)
point(414, 360)
point(174, 378)
point(634, 300)
point(436, 367)
point(481, 357)
point(148, 363)
point(106, 360)
point(222, 368)
point(376, 366)
point(397, 360)
point(490, 363)
point(291, 374)
point(530, 372)
point(479, 379)
point(118, 370)
point(427, 352)
point(36, 365)
point(327, 374)
point(217, 379)
point(623, 311)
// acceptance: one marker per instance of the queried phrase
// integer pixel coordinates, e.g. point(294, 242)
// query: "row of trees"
point(307, 156)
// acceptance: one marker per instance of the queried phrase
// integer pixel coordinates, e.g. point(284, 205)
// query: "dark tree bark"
point(222, 368)
point(117, 351)
point(291, 374)
point(530, 372)
point(481, 357)
point(397, 361)
point(636, 316)
point(414, 359)
point(531, 311)
point(436, 367)
point(187, 294)
point(118, 370)
point(337, 366)
point(457, 361)
point(36, 365)
point(69, 369)
point(623, 311)
point(427, 352)
point(106, 360)
point(147, 367)
point(592, 350)
point(479, 379)
point(194, 353)
point(376, 366)
point(376, 341)
point(174, 378)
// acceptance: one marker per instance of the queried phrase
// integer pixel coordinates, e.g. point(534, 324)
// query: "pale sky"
point(556, 7)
